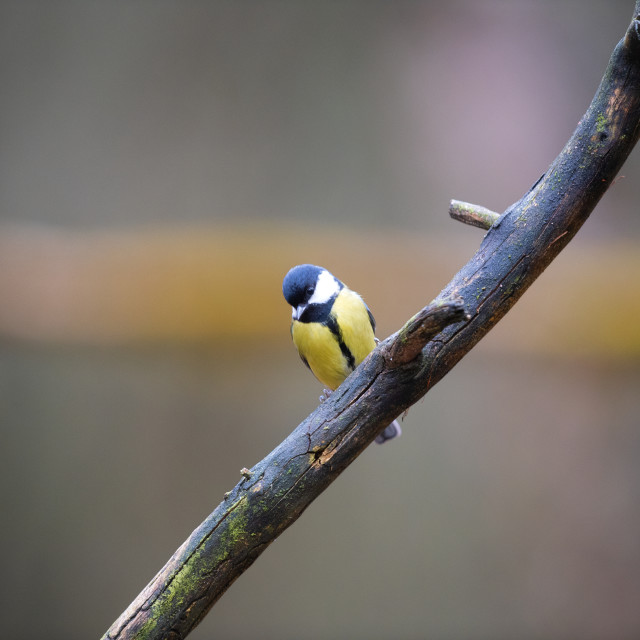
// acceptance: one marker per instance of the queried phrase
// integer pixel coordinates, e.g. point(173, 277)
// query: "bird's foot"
point(325, 394)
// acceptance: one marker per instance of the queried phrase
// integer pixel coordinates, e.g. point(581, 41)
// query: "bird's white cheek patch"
point(326, 287)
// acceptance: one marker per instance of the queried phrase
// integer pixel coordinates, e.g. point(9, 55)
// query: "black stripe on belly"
point(332, 325)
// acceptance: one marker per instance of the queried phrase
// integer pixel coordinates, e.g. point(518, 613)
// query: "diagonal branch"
point(422, 328)
point(513, 253)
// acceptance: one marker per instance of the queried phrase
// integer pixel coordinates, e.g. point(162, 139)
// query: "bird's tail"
point(392, 431)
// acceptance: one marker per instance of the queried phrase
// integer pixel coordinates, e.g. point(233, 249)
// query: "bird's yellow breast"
point(321, 348)
point(353, 319)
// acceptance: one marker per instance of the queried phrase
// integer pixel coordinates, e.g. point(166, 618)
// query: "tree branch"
point(424, 326)
point(472, 214)
point(515, 250)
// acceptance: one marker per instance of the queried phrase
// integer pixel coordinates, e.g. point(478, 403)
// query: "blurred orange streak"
point(209, 284)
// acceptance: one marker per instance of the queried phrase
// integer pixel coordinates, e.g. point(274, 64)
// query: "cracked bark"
point(519, 245)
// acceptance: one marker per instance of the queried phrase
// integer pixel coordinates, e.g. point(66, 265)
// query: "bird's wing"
point(372, 320)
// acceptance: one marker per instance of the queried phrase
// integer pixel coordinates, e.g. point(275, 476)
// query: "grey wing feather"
point(372, 320)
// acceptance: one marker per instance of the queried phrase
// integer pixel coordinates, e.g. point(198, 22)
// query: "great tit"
point(331, 327)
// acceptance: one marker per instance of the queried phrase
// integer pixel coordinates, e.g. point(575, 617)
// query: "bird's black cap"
point(299, 284)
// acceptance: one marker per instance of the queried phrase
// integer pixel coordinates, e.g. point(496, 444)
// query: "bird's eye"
point(310, 291)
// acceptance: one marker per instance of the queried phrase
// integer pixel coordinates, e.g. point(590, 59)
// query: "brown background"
point(163, 164)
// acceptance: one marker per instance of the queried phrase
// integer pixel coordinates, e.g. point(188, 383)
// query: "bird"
point(332, 328)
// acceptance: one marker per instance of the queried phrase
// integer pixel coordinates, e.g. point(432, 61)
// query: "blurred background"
point(163, 165)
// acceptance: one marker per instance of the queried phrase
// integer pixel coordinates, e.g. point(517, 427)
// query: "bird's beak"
point(296, 312)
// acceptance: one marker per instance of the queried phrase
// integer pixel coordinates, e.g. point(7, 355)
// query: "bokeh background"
point(162, 165)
